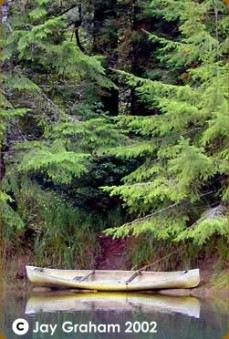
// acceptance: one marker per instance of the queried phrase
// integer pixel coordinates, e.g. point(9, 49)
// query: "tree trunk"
point(139, 52)
point(106, 43)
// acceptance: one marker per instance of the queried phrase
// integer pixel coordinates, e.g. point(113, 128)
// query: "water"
point(134, 316)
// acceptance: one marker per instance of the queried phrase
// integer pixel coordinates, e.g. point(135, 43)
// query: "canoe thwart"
point(85, 277)
point(88, 275)
point(133, 277)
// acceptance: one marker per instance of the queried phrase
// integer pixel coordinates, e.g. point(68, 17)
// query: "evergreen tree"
point(53, 122)
point(180, 189)
point(107, 102)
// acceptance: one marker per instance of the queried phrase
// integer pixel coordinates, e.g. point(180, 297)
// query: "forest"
point(114, 122)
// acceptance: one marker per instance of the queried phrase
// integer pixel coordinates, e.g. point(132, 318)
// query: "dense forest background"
point(115, 119)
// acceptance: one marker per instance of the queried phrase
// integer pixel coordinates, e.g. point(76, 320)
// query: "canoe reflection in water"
point(77, 302)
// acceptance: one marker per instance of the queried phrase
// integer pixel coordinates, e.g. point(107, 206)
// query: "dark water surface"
point(134, 316)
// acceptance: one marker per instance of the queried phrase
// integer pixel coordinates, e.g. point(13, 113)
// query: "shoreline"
point(198, 292)
point(202, 291)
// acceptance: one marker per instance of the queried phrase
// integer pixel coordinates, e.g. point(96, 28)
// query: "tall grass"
point(145, 250)
point(54, 231)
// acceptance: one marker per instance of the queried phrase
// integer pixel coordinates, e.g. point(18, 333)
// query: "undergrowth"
point(164, 255)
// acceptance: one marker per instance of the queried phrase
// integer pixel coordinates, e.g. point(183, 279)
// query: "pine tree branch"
point(160, 211)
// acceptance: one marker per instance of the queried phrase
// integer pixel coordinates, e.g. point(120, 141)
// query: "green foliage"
point(56, 227)
point(213, 222)
point(147, 250)
point(74, 165)
point(190, 165)
point(46, 54)
point(60, 167)
point(19, 82)
point(53, 123)
point(9, 216)
point(133, 150)
point(187, 127)
point(38, 13)
point(91, 135)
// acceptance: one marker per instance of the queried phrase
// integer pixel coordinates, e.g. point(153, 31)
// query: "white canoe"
point(78, 302)
point(111, 280)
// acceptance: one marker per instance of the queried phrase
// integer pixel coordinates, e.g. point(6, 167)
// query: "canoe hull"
point(111, 280)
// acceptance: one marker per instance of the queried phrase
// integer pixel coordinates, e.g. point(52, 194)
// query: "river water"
point(106, 315)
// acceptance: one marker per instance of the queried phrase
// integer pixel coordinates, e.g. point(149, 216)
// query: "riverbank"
point(114, 254)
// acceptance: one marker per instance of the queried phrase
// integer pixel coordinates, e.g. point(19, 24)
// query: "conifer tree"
point(109, 101)
point(44, 64)
point(180, 189)
point(53, 122)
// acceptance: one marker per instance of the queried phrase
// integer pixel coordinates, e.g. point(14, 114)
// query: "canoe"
point(111, 280)
point(106, 301)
